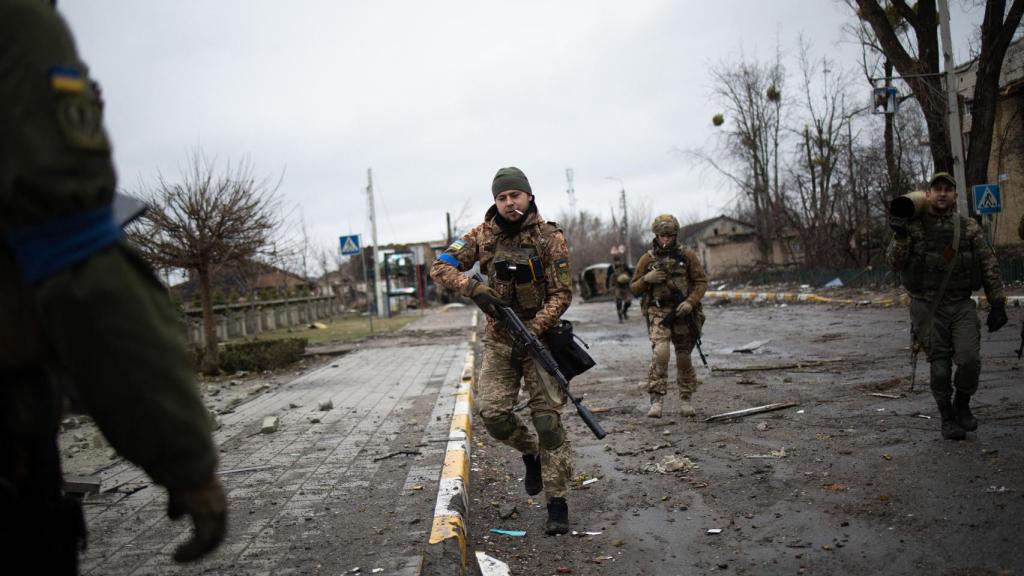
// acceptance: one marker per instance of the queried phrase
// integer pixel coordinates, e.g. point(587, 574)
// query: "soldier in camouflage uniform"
point(940, 279)
point(670, 277)
point(526, 260)
point(620, 277)
point(80, 312)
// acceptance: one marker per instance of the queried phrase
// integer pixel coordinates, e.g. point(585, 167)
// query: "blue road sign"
point(349, 245)
point(987, 199)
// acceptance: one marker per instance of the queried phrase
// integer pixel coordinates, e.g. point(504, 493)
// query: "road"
point(844, 483)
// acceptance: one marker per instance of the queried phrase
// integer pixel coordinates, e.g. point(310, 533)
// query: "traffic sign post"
point(987, 199)
point(350, 245)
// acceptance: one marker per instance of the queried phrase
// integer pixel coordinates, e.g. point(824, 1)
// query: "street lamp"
point(624, 222)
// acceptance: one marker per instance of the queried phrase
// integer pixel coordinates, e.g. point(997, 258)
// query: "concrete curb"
point(901, 300)
point(449, 533)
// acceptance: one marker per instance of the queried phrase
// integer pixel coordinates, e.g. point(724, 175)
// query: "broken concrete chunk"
point(269, 425)
point(326, 405)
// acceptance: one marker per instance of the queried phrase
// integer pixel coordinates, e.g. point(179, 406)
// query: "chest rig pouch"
point(518, 276)
point(929, 262)
point(676, 281)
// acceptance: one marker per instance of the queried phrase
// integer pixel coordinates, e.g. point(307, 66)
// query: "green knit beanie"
point(510, 178)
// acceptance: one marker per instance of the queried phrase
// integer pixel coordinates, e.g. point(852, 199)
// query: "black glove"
point(996, 316)
point(208, 508)
point(486, 298)
point(899, 226)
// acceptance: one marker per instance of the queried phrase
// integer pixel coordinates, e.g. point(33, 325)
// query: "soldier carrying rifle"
point(670, 279)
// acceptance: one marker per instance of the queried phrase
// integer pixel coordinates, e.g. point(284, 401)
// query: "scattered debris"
point(508, 511)
point(249, 469)
point(996, 489)
point(588, 481)
point(325, 405)
point(575, 533)
point(761, 427)
point(319, 326)
point(491, 566)
point(887, 456)
point(398, 453)
point(749, 347)
point(765, 368)
point(925, 416)
point(82, 484)
point(834, 283)
point(749, 411)
point(835, 487)
point(516, 533)
point(669, 464)
point(780, 453)
point(714, 530)
point(269, 425)
point(889, 396)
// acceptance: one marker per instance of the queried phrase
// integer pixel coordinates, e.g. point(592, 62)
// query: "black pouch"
point(571, 358)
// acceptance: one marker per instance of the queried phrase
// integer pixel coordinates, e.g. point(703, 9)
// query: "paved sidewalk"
point(309, 498)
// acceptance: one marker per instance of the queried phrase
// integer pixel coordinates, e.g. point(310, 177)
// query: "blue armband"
point(48, 248)
point(450, 260)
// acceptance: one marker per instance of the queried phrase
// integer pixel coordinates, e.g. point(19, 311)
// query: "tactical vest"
point(675, 266)
point(516, 268)
point(927, 265)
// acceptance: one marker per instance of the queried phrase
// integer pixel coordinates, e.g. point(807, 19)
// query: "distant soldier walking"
point(669, 278)
point(620, 277)
point(526, 260)
point(942, 258)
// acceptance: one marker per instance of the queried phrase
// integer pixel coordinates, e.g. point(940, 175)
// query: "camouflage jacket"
point(539, 302)
point(924, 256)
point(684, 270)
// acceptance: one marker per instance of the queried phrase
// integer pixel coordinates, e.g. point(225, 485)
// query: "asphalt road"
point(844, 483)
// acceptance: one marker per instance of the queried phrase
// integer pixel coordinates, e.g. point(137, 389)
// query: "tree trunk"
point(211, 362)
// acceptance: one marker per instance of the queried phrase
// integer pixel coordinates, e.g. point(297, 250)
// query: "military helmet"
point(665, 224)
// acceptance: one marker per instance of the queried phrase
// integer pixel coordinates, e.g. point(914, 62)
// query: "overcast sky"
point(436, 96)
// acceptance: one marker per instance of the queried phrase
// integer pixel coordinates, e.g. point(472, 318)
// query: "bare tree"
point(751, 94)
point(916, 58)
point(207, 219)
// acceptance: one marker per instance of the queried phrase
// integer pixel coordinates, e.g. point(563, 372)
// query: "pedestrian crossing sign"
point(987, 199)
point(349, 245)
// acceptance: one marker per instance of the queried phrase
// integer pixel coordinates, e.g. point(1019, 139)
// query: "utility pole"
point(571, 191)
point(382, 308)
point(624, 222)
point(956, 137)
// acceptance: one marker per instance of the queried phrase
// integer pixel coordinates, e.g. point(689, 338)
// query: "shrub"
point(261, 355)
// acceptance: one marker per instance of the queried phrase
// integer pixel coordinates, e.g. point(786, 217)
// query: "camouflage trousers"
point(496, 397)
point(954, 338)
point(680, 336)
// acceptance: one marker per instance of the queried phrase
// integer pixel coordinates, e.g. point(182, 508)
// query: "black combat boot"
point(558, 517)
point(962, 409)
point(951, 429)
point(532, 481)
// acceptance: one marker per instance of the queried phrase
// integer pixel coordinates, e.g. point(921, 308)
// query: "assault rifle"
point(677, 298)
point(540, 354)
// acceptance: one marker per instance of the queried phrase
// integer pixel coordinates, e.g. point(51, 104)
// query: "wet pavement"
point(330, 490)
point(846, 482)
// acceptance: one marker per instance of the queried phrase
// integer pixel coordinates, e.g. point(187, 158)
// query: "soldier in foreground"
point(526, 260)
point(620, 279)
point(670, 280)
point(79, 307)
point(940, 276)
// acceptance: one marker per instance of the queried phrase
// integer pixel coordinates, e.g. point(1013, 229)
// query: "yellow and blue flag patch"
point(64, 79)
